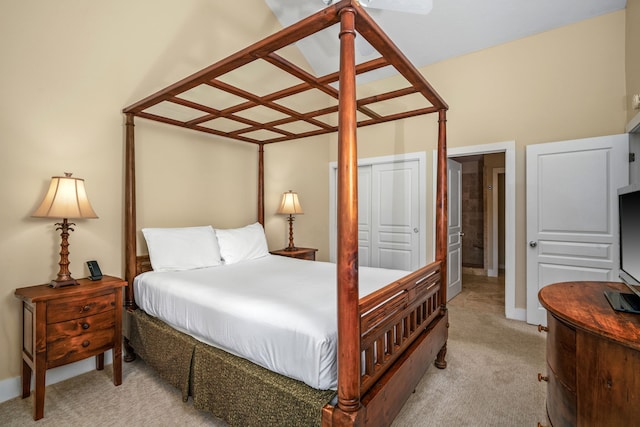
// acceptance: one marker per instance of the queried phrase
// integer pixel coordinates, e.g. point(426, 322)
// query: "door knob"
point(533, 244)
point(461, 234)
point(415, 230)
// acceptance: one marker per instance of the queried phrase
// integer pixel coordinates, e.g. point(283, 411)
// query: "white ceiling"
point(452, 28)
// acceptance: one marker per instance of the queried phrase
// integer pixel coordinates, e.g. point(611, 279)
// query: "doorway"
point(480, 223)
point(474, 214)
point(506, 175)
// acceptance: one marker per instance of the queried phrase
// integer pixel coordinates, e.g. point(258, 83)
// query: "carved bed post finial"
point(130, 210)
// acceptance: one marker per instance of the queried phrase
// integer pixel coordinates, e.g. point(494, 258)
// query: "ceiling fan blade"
point(422, 7)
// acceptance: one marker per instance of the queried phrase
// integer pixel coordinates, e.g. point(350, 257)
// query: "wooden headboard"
point(143, 264)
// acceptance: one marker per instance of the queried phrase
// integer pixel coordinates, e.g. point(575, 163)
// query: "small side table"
point(64, 325)
point(300, 253)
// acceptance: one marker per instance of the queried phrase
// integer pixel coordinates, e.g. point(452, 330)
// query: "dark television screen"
point(629, 211)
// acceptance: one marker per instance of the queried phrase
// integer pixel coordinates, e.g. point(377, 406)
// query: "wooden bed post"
point(261, 184)
point(130, 210)
point(442, 223)
point(442, 206)
point(348, 408)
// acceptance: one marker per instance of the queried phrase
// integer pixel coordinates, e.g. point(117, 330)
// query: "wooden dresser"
point(64, 325)
point(593, 357)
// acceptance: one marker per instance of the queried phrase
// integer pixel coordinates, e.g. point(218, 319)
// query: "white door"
point(395, 216)
point(572, 222)
point(454, 251)
point(364, 216)
point(391, 212)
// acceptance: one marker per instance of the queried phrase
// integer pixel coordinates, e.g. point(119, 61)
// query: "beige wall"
point(69, 67)
point(632, 53)
point(301, 166)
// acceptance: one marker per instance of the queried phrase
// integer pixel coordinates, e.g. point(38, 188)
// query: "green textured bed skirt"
point(230, 387)
point(167, 351)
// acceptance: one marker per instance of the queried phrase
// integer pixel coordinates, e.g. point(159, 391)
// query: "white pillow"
point(242, 244)
point(172, 249)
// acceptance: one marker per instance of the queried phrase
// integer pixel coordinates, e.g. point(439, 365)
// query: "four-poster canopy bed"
point(386, 339)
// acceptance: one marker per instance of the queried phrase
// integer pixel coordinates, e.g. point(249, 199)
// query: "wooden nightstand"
point(300, 253)
point(64, 325)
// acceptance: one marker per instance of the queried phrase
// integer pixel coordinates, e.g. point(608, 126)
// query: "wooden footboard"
point(403, 329)
point(385, 399)
point(393, 317)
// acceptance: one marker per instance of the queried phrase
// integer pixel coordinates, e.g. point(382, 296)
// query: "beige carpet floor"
point(493, 363)
point(491, 380)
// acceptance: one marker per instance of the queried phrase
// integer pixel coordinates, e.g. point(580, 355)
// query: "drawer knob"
point(85, 325)
point(543, 328)
point(85, 343)
point(86, 308)
point(542, 378)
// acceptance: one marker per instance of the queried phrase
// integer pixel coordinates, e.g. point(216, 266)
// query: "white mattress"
point(278, 312)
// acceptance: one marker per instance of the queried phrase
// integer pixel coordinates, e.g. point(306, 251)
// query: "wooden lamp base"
point(64, 276)
point(291, 246)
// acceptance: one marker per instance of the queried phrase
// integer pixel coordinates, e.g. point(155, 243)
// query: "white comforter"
point(278, 312)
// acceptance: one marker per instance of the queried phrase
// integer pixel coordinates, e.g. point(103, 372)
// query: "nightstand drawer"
point(72, 349)
point(83, 325)
point(81, 306)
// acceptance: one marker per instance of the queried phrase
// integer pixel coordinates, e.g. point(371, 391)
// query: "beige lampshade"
point(290, 204)
point(66, 198)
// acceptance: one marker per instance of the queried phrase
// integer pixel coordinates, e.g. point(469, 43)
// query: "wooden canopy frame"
point(398, 329)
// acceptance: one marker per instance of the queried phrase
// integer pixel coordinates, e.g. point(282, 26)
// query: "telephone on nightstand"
point(94, 269)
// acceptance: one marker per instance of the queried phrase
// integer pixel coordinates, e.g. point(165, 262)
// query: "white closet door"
point(391, 200)
point(364, 215)
point(395, 211)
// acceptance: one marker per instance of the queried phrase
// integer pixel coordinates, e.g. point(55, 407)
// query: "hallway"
point(481, 293)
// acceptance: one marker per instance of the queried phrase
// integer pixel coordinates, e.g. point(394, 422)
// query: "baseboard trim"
point(517, 314)
point(12, 387)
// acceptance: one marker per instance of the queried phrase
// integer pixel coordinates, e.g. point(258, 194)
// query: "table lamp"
point(290, 205)
point(65, 199)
